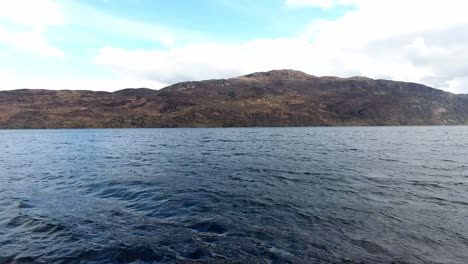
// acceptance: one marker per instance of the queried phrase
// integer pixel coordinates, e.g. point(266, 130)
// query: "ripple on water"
point(276, 195)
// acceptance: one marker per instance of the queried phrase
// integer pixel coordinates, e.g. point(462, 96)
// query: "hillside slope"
point(275, 98)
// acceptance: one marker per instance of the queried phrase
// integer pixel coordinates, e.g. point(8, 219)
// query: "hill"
point(275, 98)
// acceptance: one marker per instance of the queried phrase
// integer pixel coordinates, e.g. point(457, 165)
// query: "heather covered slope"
point(275, 98)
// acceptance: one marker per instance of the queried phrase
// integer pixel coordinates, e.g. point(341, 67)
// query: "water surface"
point(247, 195)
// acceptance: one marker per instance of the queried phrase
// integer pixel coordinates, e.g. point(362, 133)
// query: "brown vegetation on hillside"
point(275, 98)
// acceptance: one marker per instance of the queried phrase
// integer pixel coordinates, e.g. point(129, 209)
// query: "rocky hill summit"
point(274, 98)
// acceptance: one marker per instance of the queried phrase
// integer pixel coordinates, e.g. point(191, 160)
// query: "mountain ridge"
point(273, 98)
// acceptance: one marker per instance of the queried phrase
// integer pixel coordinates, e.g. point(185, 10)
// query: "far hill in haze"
point(275, 98)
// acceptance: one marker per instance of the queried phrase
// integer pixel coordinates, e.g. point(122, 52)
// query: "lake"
point(235, 195)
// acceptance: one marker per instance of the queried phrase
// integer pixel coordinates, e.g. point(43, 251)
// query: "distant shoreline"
point(264, 127)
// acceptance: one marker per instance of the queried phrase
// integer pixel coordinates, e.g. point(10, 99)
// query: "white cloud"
point(97, 20)
point(36, 16)
point(458, 85)
point(402, 40)
point(102, 84)
point(206, 60)
point(32, 42)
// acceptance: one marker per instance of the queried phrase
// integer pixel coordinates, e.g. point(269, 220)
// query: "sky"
point(109, 45)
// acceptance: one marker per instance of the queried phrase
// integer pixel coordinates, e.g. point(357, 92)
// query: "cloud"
point(100, 84)
point(37, 14)
point(458, 85)
point(32, 42)
point(206, 60)
point(401, 40)
point(98, 20)
point(35, 17)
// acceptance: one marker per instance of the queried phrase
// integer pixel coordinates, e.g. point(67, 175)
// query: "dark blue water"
point(273, 195)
